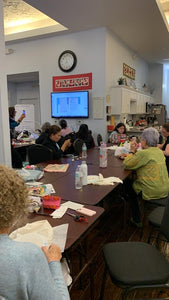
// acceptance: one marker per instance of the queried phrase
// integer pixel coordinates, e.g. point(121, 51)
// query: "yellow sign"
point(128, 71)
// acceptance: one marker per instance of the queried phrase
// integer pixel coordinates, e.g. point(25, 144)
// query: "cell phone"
point(23, 112)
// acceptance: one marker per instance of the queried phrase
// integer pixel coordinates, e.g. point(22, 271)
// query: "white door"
point(35, 102)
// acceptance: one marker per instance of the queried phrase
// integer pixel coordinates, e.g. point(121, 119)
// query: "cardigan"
point(26, 274)
point(152, 176)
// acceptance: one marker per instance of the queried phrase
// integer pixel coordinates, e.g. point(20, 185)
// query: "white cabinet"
point(127, 101)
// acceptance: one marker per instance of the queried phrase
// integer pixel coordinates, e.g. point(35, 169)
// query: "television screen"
point(70, 104)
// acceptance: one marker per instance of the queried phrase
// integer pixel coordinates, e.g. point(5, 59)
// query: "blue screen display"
point(70, 104)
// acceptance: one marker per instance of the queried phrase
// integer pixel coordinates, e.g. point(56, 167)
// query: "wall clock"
point(67, 61)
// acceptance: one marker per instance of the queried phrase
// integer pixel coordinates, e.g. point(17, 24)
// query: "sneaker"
point(137, 224)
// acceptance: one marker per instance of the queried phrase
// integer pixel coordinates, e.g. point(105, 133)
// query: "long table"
point(82, 236)
point(76, 230)
point(64, 183)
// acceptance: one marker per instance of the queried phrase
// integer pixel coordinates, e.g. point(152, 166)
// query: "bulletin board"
point(28, 123)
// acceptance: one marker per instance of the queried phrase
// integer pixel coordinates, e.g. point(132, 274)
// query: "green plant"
point(120, 80)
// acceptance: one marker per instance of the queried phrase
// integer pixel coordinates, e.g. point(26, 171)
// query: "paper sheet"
point(72, 205)
point(58, 213)
point(60, 236)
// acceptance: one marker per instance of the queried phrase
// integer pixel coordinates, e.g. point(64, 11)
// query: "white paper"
point(60, 236)
point(58, 213)
point(98, 105)
point(72, 205)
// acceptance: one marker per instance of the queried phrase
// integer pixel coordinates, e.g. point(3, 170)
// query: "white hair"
point(151, 136)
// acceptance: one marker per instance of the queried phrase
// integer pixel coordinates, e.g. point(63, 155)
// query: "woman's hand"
point(66, 145)
point(52, 253)
point(133, 146)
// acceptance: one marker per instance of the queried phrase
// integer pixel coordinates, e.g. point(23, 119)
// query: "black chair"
point(155, 219)
point(153, 203)
point(38, 153)
point(78, 143)
point(137, 265)
point(99, 139)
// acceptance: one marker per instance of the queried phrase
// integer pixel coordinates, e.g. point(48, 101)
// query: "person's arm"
point(166, 151)
point(46, 280)
point(21, 118)
point(135, 161)
point(66, 144)
point(160, 146)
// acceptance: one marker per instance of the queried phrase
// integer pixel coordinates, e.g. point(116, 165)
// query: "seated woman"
point(28, 272)
point(165, 146)
point(85, 134)
point(152, 180)
point(44, 133)
point(64, 128)
point(120, 129)
point(52, 139)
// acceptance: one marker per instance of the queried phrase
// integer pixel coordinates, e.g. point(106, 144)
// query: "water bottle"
point(78, 178)
point(103, 156)
point(84, 171)
point(84, 151)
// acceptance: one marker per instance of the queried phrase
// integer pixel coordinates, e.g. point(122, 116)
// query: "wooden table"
point(76, 230)
point(64, 183)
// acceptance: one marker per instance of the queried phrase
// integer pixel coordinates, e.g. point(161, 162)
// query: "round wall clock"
point(67, 61)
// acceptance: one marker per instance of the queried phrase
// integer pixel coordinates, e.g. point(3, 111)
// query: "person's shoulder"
point(29, 251)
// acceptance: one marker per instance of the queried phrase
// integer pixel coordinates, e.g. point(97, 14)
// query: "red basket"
point(51, 201)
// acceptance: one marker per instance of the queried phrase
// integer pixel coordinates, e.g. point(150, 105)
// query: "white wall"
point(118, 53)
point(166, 87)
point(156, 81)
point(42, 56)
point(98, 51)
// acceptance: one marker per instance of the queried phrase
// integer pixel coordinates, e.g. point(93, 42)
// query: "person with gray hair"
point(152, 180)
point(151, 136)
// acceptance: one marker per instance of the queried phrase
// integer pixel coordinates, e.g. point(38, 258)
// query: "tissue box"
point(51, 201)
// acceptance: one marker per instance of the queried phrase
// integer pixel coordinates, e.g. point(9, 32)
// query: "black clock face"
point(67, 61)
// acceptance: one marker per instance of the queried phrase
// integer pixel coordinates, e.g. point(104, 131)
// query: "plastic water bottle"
point(84, 170)
point(84, 151)
point(103, 156)
point(78, 178)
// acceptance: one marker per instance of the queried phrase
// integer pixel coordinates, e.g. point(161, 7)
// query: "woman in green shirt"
point(152, 180)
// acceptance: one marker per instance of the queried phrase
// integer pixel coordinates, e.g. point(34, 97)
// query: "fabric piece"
point(100, 180)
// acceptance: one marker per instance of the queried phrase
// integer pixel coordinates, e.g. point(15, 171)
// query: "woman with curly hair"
point(27, 272)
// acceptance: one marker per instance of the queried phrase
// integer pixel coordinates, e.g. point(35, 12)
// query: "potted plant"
point(120, 80)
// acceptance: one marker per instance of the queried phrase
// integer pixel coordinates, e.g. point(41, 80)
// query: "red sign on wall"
point(72, 82)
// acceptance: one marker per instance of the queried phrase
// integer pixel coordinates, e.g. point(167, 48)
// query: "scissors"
point(78, 218)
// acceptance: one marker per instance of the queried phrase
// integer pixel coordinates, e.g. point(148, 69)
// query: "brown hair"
point(54, 129)
point(166, 126)
point(11, 110)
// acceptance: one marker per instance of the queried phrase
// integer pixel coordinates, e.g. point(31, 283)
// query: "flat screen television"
point(70, 104)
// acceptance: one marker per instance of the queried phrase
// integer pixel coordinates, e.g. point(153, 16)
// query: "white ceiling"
point(138, 23)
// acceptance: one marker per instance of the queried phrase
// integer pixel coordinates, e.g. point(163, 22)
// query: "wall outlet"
point(56, 122)
point(79, 122)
